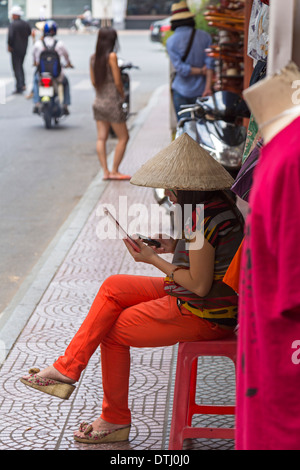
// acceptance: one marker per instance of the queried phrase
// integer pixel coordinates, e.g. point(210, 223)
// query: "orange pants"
point(129, 311)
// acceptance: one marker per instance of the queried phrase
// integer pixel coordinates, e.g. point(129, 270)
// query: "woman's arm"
point(113, 62)
point(92, 74)
point(197, 279)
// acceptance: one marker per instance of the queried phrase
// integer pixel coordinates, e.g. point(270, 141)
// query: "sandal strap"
point(43, 382)
point(83, 426)
point(91, 434)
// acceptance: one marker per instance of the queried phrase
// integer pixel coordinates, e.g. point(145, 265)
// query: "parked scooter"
point(51, 94)
point(215, 122)
point(125, 67)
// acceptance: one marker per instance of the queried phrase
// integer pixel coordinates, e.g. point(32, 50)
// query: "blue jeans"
point(178, 100)
point(65, 82)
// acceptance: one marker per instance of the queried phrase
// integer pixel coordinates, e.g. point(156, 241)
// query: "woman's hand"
point(146, 253)
point(167, 244)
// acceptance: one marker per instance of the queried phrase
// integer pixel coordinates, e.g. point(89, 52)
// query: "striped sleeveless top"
point(221, 228)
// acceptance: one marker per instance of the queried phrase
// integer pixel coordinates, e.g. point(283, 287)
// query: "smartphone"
point(130, 240)
point(149, 241)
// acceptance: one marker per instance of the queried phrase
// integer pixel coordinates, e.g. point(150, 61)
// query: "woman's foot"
point(117, 176)
point(101, 431)
point(106, 175)
point(49, 381)
point(51, 373)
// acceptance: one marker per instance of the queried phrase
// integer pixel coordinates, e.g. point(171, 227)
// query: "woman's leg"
point(102, 130)
point(155, 323)
point(121, 132)
point(116, 294)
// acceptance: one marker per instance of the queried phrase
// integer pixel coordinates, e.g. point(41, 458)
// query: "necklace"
point(287, 112)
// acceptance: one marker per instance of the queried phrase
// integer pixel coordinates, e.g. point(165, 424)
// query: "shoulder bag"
point(173, 73)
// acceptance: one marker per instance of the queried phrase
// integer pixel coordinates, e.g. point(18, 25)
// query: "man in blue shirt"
point(193, 75)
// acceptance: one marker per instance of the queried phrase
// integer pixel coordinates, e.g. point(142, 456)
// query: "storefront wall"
point(54, 8)
point(3, 12)
point(69, 8)
point(131, 13)
point(34, 8)
point(100, 8)
point(21, 3)
point(149, 7)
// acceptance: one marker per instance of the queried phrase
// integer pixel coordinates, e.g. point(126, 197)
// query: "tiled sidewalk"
point(34, 421)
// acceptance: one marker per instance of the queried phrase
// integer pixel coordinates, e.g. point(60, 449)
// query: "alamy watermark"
point(138, 218)
point(296, 354)
point(296, 94)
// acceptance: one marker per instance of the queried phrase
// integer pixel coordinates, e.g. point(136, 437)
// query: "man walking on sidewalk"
point(18, 34)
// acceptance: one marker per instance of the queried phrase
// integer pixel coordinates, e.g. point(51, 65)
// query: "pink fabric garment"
point(268, 374)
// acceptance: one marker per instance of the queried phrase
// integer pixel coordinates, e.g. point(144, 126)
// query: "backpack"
point(50, 61)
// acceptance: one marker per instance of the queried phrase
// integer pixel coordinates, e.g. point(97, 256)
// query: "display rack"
point(228, 49)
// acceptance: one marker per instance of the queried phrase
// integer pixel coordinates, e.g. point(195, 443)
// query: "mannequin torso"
point(271, 101)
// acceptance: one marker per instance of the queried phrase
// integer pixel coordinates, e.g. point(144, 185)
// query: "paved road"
point(44, 174)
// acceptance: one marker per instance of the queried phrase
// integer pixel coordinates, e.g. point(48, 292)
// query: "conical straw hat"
point(184, 165)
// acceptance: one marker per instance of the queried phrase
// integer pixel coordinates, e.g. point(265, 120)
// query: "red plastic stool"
point(184, 405)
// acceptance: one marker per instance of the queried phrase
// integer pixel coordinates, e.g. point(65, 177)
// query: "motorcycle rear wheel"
point(47, 117)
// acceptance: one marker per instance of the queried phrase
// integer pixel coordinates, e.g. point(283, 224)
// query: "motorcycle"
point(124, 67)
point(215, 122)
point(51, 100)
point(78, 25)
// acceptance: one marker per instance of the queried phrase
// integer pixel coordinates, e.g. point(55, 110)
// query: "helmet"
point(86, 8)
point(50, 28)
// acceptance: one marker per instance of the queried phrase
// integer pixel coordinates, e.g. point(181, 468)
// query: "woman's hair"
point(200, 197)
point(195, 197)
point(106, 42)
point(185, 22)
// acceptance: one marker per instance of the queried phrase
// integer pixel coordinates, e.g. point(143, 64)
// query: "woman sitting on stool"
point(191, 303)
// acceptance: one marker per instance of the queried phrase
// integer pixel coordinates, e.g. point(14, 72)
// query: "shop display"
point(228, 48)
point(258, 40)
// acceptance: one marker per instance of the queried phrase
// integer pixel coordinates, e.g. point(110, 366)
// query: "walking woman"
point(189, 303)
point(108, 112)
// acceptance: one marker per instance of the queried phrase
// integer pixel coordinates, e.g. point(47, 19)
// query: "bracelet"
point(171, 277)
